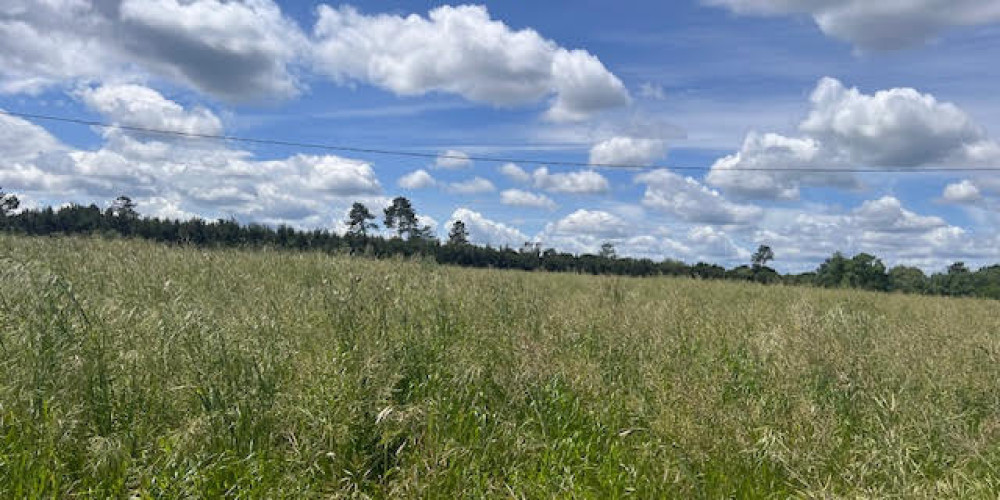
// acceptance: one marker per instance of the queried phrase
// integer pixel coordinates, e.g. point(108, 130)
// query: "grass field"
point(129, 368)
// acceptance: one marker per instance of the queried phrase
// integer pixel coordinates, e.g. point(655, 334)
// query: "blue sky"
point(736, 89)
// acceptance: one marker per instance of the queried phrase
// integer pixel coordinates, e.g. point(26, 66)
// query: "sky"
point(728, 123)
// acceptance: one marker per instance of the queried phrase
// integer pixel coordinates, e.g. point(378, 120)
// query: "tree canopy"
point(864, 271)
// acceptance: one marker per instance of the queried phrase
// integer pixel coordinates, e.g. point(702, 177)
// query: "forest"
point(122, 219)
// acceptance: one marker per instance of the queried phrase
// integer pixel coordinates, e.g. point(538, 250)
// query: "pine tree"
point(358, 220)
point(458, 235)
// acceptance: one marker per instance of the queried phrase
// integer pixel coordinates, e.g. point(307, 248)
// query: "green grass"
point(132, 369)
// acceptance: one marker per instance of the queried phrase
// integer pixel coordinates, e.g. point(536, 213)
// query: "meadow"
point(135, 369)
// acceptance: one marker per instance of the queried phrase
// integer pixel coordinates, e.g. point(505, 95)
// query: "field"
point(134, 369)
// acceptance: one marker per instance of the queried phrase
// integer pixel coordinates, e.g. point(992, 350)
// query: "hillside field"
point(129, 368)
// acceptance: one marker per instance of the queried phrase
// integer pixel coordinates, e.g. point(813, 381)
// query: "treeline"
point(862, 271)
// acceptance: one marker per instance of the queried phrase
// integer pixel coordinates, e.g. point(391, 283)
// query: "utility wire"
point(493, 159)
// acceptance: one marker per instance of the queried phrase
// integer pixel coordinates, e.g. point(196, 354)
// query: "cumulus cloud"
point(581, 182)
point(621, 150)
point(170, 177)
point(250, 50)
point(691, 201)
point(711, 243)
point(883, 227)
point(519, 198)
point(476, 185)
point(845, 128)
point(515, 173)
point(584, 231)
point(452, 160)
point(139, 106)
point(590, 223)
point(232, 50)
point(418, 179)
point(877, 25)
point(756, 171)
point(892, 128)
point(961, 192)
point(21, 140)
point(887, 215)
point(462, 50)
point(487, 232)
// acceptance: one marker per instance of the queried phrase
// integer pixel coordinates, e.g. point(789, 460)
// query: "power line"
point(491, 159)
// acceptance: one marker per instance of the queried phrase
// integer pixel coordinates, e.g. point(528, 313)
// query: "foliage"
point(401, 216)
point(358, 220)
point(762, 256)
point(458, 234)
point(862, 271)
point(137, 370)
point(608, 250)
point(8, 203)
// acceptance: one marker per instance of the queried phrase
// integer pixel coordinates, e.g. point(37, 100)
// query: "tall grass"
point(131, 369)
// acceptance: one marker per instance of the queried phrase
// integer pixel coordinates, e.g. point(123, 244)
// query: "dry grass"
point(129, 368)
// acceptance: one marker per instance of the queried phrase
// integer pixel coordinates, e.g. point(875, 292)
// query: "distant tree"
point(8, 203)
point(421, 233)
point(833, 271)
point(608, 250)
point(960, 280)
point(458, 235)
point(705, 270)
point(907, 279)
point(762, 256)
point(401, 216)
point(531, 248)
point(124, 207)
point(988, 282)
point(868, 272)
point(358, 220)
point(958, 268)
point(741, 273)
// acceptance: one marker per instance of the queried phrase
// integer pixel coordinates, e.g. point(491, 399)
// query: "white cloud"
point(487, 232)
point(882, 227)
point(690, 201)
point(180, 177)
point(452, 160)
point(653, 247)
point(461, 50)
point(710, 243)
point(232, 50)
point(418, 179)
point(519, 198)
point(845, 129)
point(595, 223)
point(515, 173)
point(755, 171)
point(476, 185)
point(627, 151)
point(966, 191)
point(429, 222)
point(584, 231)
point(878, 25)
point(21, 140)
point(581, 182)
point(139, 106)
point(326, 174)
point(892, 128)
point(887, 215)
